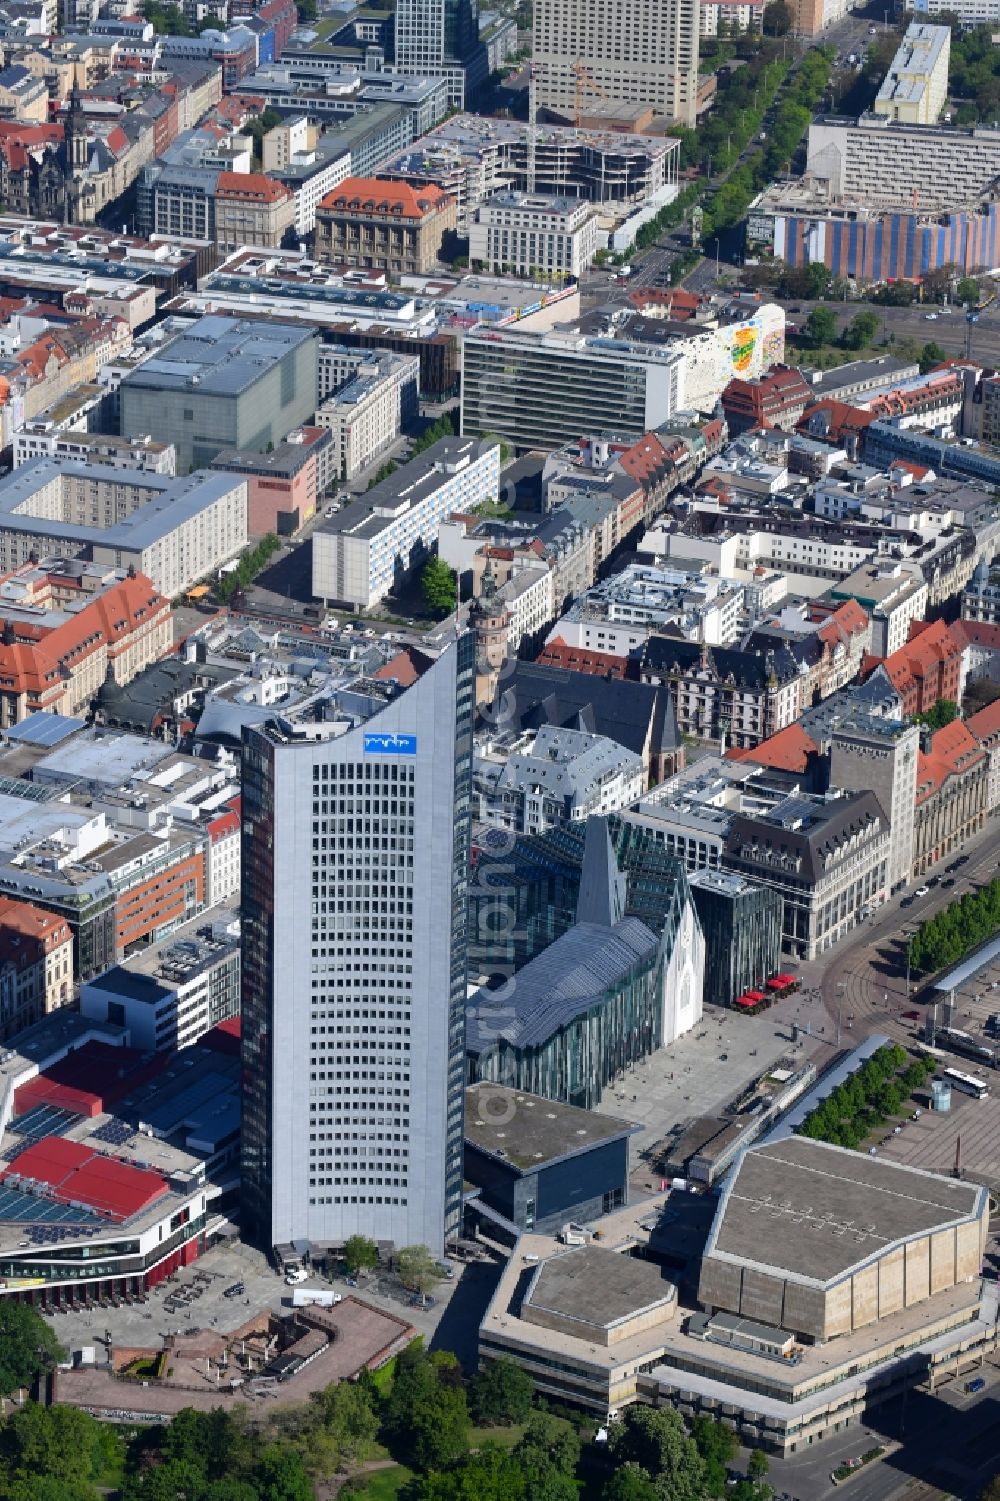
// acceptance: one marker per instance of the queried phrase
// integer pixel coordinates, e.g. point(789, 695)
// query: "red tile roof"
point(252, 185)
point(977, 633)
point(373, 195)
point(953, 751)
point(788, 750)
point(556, 653)
point(986, 723)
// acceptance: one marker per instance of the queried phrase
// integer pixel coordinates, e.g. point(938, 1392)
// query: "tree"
point(547, 1440)
point(778, 18)
point(932, 354)
point(348, 1423)
point(821, 327)
point(417, 1268)
point(502, 1394)
point(629, 1483)
point(942, 712)
point(717, 1445)
point(655, 1439)
point(427, 1419)
point(28, 1346)
point(968, 290)
point(360, 1254)
point(861, 330)
point(439, 586)
point(757, 1465)
point(58, 1444)
point(281, 1475)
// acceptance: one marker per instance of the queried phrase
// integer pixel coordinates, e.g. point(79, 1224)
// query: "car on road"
point(948, 881)
point(295, 1276)
point(930, 317)
point(910, 1016)
point(962, 860)
point(907, 901)
point(922, 891)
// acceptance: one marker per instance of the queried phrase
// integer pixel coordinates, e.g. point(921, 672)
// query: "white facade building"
point(916, 86)
point(364, 416)
point(356, 857)
point(170, 994)
point(531, 235)
point(368, 547)
point(553, 777)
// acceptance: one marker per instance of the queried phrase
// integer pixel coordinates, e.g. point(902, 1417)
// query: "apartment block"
point(251, 209)
point(533, 235)
point(365, 415)
point(640, 53)
point(916, 86)
point(362, 552)
point(36, 965)
point(169, 994)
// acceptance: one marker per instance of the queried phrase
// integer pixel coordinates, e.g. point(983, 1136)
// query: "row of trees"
point(250, 564)
point(956, 930)
point(789, 122)
point(868, 1098)
point(973, 73)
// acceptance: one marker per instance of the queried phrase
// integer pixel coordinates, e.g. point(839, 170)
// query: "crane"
point(532, 124)
point(585, 83)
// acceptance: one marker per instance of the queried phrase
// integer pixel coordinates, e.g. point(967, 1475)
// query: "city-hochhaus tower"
point(355, 858)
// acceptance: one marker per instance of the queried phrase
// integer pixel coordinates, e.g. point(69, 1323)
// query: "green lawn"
point(381, 1485)
point(506, 1438)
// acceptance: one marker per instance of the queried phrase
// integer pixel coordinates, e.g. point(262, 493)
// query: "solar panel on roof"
point(41, 728)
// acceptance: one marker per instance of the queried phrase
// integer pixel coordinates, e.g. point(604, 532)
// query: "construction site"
point(473, 158)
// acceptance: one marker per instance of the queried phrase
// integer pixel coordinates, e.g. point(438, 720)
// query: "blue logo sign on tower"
point(390, 745)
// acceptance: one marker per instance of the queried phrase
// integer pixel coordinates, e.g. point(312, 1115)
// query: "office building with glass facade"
point(741, 921)
point(355, 859)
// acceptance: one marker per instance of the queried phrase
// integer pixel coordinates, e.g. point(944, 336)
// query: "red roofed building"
point(777, 399)
point(251, 209)
point(600, 664)
point(385, 226)
point(678, 303)
point(953, 779)
point(927, 668)
point(837, 423)
point(791, 750)
point(36, 965)
point(986, 727)
point(32, 173)
point(58, 661)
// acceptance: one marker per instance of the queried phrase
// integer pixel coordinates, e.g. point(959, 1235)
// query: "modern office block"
point(916, 86)
point(531, 388)
point(224, 383)
point(440, 39)
point(355, 860)
point(741, 921)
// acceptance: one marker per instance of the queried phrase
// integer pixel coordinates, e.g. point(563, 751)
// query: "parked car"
point(977, 1385)
point(296, 1275)
point(922, 891)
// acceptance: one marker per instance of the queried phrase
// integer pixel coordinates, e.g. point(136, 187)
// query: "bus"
point(966, 1083)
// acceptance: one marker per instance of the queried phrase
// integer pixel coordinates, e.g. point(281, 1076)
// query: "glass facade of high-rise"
point(525, 889)
point(355, 850)
point(741, 921)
